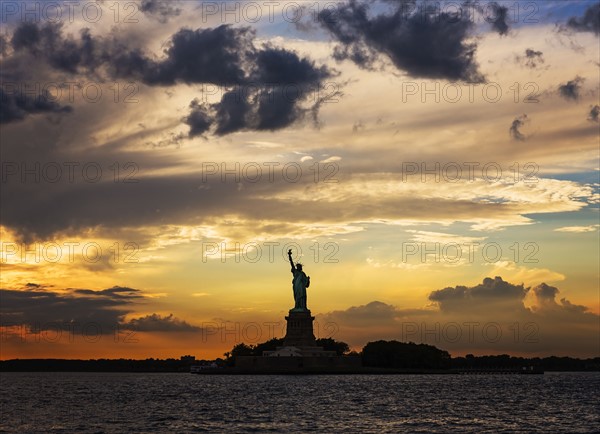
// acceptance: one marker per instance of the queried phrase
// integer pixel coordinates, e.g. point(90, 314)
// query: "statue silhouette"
point(299, 284)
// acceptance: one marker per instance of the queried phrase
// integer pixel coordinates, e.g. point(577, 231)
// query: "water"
point(122, 402)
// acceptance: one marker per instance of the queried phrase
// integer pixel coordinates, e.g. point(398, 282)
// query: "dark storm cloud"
point(216, 56)
point(422, 44)
point(200, 119)
point(66, 54)
point(231, 114)
point(514, 129)
point(594, 113)
point(49, 309)
point(3, 45)
point(292, 79)
point(571, 89)
point(28, 34)
point(224, 56)
point(496, 289)
point(276, 109)
point(280, 66)
point(162, 10)
point(79, 309)
point(269, 98)
point(266, 86)
point(16, 106)
point(498, 22)
point(545, 292)
point(201, 56)
point(589, 22)
point(158, 323)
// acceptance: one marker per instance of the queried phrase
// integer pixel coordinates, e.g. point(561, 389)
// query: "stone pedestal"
point(299, 353)
point(299, 331)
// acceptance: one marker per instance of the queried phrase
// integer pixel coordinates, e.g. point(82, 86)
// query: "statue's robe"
point(299, 283)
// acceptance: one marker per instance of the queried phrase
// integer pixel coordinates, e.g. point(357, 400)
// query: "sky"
point(434, 166)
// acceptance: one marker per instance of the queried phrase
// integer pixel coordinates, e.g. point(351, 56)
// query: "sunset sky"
point(434, 166)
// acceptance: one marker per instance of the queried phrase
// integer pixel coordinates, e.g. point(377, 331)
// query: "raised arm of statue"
point(291, 262)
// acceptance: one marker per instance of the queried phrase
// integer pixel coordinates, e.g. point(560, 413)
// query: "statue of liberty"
point(299, 283)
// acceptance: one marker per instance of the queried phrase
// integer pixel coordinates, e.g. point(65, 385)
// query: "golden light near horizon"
point(158, 164)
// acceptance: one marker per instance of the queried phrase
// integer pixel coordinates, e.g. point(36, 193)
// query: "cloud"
point(440, 237)
point(77, 310)
point(270, 99)
point(421, 44)
point(266, 208)
point(521, 273)
point(158, 323)
point(269, 83)
point(16, 106)
point(532, 58)
point(456, 298)
point(116, 292)
point(199, 119)
point(570, 307)
point(266, 86)
point(578, 229)
point(374, 309)
point(514, 129)
point(571, 90)
point(3, 45)
point(545, 292)
point(490, 317)
point(589, 22)
point(63, 53)
point(546, 301)
point(358, 126)
point(594, 113)
point(499, 23)
point(161, 10)
point(224, 50)
point(331, 159)
point(43, 310)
